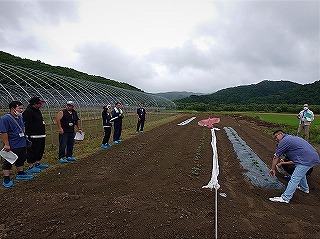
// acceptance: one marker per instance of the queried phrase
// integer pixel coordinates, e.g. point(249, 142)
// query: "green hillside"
point(63, 71)
point(176, 95)
point(305, 93)
point(265, 92)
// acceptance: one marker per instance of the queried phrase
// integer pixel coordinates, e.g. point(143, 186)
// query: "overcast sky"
point(169, 45)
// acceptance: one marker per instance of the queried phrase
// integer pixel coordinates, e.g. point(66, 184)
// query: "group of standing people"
point(23, 134)
point(116, 116)
point(110, 116)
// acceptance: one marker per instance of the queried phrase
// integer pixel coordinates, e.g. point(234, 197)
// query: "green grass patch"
point(287, 119)
point(289, 123)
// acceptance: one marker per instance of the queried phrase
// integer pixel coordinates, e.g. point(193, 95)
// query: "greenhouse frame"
point(21, 84)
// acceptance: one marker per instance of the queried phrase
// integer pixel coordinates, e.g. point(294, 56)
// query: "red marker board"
point(209, 122)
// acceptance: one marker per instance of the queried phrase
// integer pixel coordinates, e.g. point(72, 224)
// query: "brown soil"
point(145, 187)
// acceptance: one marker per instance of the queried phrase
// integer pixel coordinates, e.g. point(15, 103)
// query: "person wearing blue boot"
point(66, 120)
point(14, 139)
point(117, 116)
point(106, 124)
point(36, 133)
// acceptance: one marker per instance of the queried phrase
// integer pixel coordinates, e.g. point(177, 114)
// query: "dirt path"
point(145, 188)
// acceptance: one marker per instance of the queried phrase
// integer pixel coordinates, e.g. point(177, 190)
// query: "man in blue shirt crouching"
point(302, 154)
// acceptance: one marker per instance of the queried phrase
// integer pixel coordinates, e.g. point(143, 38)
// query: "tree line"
point(254, 107)
point(266, 96)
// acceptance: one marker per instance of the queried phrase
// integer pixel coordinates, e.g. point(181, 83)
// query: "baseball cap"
point(70, 102)
point(36, 100)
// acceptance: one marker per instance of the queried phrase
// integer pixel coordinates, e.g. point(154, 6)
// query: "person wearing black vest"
point(36, 132)
point(66, 120)
point(117, 116)
point(141, 112)
point(106, 124)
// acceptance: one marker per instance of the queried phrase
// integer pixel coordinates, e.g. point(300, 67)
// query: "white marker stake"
point(214, 176)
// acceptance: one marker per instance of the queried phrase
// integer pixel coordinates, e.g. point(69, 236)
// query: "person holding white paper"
point(14, 139)
point(305, 116)
point(66, 120)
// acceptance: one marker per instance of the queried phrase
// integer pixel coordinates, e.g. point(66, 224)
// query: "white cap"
point(70, 102)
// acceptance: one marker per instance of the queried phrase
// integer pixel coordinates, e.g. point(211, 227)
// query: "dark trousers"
point(36, 151)
point(107, 133)
point(66, 143)
point(117, 131)
point(140, 125)
point(22, 153)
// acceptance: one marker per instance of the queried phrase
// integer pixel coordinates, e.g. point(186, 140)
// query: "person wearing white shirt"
point(305, 117)
point(117, 116)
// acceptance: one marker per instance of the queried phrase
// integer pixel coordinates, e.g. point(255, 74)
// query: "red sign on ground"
point(209, 122)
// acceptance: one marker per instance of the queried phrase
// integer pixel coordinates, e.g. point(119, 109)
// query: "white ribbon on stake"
point(214, 176)
point(215, 165)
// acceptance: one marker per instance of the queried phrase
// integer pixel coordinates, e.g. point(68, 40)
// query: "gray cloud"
point(188, 55)
point(15, 15)
point(246, 42)
point(109, 60)
point(253, 41)
point(18, 17)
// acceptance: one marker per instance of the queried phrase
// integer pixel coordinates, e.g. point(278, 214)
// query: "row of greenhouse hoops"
point(18, 83)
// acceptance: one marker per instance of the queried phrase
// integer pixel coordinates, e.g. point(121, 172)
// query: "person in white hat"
point(305, 117)
point(66, 120)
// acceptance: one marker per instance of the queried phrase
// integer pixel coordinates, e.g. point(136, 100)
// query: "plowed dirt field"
point(145, 187)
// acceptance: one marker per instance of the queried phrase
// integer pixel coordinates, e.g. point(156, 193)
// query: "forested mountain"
point(176, 95)
point(63, 71)
point(265, 92)
point(305, 93)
